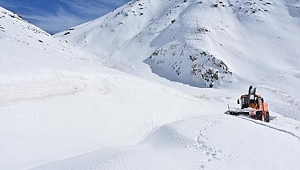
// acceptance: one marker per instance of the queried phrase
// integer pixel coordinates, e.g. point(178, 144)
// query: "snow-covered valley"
point(130, 90)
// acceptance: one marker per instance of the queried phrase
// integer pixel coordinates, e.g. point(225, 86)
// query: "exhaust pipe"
point(251, 94)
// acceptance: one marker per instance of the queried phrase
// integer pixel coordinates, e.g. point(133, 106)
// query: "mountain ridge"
point(61, 107)
point(184, 23)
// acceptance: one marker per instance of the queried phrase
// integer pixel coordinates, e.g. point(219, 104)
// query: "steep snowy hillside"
point(210, 43)
point(56, 104)
point(18, 31)
point(62, 108)
point(162, 38)
point(200, 43)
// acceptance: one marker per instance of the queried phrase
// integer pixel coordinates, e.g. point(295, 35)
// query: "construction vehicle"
point(252, 105)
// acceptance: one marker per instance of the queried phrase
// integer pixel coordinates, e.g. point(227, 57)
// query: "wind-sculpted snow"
point(57, 103)
point(62, 107)
point(208, 142)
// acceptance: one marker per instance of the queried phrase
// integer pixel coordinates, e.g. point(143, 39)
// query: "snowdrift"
point(122, 91)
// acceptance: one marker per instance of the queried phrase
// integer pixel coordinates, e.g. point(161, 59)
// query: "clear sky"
point(57, 15)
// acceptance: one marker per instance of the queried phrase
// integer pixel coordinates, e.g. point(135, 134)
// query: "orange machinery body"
point(254, 108)
point(252, 105)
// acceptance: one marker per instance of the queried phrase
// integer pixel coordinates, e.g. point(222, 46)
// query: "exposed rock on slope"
point(182, 63)
point(154, 28)
point(167, 37)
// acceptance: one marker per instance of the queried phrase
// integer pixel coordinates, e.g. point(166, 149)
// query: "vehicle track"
point(269, 126)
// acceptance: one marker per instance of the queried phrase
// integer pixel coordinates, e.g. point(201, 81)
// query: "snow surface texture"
point(169, 35)
point(54, 106)
point(88, 98)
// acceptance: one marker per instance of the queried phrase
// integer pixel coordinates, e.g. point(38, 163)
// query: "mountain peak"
point(171, 36)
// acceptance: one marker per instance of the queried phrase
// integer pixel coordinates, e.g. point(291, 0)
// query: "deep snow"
point(207, 142)
point(93, 98)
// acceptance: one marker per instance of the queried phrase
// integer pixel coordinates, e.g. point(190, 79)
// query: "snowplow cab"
point(253, 104)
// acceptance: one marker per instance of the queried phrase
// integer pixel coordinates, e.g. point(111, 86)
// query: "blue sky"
point(57, 15)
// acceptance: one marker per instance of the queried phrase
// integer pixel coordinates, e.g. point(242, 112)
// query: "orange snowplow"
point(252, 105)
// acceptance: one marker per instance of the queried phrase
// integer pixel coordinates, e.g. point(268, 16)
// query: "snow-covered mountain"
point(187, 41)
point(55, 103)
point(210, 43)
point(122, 91)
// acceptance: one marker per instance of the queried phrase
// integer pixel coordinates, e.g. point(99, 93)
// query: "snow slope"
point(208, 142)
point(200, 43)
point(55, 104)
point(220, 44)
point(61, 107)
